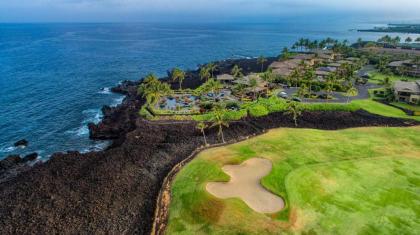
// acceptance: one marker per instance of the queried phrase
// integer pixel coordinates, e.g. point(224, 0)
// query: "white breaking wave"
point(97, 147)
point(91, 115)
point(117, 101)
point(7, 149)
point(105, 91)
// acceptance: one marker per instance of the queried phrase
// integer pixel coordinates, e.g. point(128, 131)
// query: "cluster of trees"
point(207, 72)
point(152, 89)
point(307, 44)
point(304, 77)
point(395, 40)
point(220, 121)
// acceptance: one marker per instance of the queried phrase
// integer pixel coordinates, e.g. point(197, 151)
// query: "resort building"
point(408, 92)
point(285, 68)
point(405, 67)
point(225, 79)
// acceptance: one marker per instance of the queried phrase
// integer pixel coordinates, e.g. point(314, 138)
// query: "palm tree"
point(387, 82)
point(202, 126)
point(240, 90)
point(294, 109)
point(219, 119)
point(285, 54)
point(302, 91)
point(253, 84)
point(416, 60)
point(211, 68)
point(178, 74)
point(408, 40)
point(359, 42)
point(295, 76)
point(153, 89)
point(215, 86)
point(261, 60)
point(205, 73)
point(236, 71)
point(352, 91)
point(309, 75)
point(418, 39)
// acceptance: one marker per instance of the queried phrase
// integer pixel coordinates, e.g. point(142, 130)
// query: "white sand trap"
point(245, 184)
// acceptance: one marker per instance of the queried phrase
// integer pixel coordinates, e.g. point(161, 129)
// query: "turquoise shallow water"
point(54, 78)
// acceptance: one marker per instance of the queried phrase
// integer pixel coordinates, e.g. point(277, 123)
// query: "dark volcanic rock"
point(21, 143)
point(10, 162)
point(30, 157)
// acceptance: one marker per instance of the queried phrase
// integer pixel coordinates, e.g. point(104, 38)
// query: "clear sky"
point(199, 10)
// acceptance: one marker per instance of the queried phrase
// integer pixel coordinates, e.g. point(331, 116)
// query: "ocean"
point(54, 78)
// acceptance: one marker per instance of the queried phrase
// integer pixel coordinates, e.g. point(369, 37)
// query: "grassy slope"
point(378, 78)
point(382, 109)
point(415, 108)
point(380, 170)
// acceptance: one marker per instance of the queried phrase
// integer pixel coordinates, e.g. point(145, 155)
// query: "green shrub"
point(232, 105)
point(258, 110)
point(145, 113)
point(331, 107)
point(272, 104)
point(235, 114)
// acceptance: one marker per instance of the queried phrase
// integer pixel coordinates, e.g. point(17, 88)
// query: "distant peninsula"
point(395, 28)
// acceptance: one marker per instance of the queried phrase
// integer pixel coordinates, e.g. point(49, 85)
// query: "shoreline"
point(122, 183)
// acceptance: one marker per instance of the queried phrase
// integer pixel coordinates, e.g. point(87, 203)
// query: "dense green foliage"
point(257, 110)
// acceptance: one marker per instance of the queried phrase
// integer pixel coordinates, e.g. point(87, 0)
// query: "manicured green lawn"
point(415, 108)
point(382, 109)
point(354, 181)
point(378, 78)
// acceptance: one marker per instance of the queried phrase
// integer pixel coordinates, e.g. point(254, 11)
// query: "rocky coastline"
point(115, 191)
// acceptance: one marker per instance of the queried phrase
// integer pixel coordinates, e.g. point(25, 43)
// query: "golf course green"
point(353, 181)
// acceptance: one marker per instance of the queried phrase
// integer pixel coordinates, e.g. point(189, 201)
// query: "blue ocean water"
point(54, 78)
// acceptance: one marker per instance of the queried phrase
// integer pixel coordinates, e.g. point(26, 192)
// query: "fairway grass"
point(383, 110)
point(353, 181)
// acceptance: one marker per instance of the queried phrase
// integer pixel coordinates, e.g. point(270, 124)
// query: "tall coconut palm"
point(236, 72)
point(239, 90)
point(205, 73)
point(294, 109)
point(178, 74)
point(308, 76)
point(295, 76)
point(285, 54)
point(387, 82)
point(261, 60)
point(352, 91)
point(302, 91)
point(219, 120)
point(359, 42)
point(152, 89)
point(253, 84)
point(211, 68)
point(214, 86)
point(202, 126)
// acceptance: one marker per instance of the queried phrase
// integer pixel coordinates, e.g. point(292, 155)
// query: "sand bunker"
point(245, 184)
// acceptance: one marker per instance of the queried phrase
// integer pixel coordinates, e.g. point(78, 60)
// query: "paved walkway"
point(339, 97)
